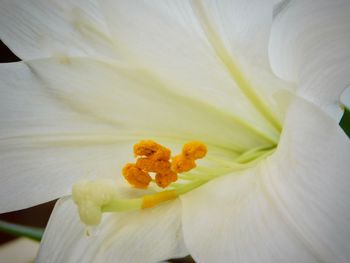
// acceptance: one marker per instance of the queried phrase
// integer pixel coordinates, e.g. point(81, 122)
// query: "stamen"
point(136, 177)
point(191, 151)
point(96, 197)
point(155, 158)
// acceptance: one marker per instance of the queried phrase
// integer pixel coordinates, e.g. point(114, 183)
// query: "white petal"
point(39, 28)
point(149, 235)
point(170, 39)
point(309, 179)
point(230, 219)
point(309, 45)
point(244, 26)
point(293, 207)
point(136, 102)
point(45, 146)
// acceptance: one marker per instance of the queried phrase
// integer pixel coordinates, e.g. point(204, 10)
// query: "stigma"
point(90, 197)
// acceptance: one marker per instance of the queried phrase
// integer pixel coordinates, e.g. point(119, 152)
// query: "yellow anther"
point(194, 150)
point(165, 179)
point(181, 164)
point(146, 148)
point(162, 154)
point(136, 177)
point(155, 158)
point(149, 148)
point(154, 199)
point(151, 165)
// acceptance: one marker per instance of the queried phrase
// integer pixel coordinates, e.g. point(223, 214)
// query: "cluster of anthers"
point(93, 198)
point(155, 158)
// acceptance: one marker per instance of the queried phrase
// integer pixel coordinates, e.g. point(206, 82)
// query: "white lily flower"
point(98, 77)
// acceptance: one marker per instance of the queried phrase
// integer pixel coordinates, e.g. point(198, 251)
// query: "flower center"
point(155, 158)
point(166, 177)
point(154, 165)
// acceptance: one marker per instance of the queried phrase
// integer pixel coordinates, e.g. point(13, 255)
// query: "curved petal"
point(231, 219)
point(202, 48)
point(45, 146)
point(309, 180)
point(149, 235)
point(135, 102)
point(293, 207)
point(243, 26)
point(309, 45)
point(39, 28)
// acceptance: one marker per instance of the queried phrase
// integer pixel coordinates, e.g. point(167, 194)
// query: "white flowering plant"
point(173, 128)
